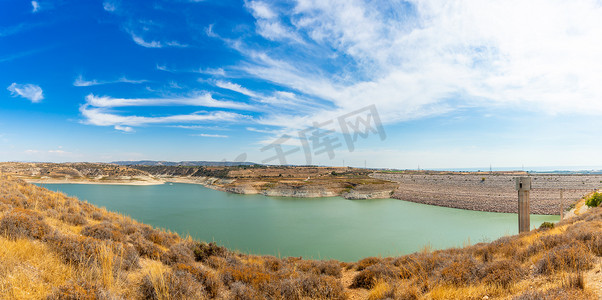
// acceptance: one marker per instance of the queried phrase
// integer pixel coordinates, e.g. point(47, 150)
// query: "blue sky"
point(465, 84)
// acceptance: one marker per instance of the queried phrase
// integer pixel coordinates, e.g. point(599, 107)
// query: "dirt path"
point(593, 278)
point(354, 294)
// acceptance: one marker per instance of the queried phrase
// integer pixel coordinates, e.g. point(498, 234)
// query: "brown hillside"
point(56, 247)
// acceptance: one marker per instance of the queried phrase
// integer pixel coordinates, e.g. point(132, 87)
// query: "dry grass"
point(29, 270)
point(56, 247)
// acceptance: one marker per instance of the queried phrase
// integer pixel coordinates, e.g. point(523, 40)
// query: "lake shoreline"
point(298, 227)
point(430, 193)
point(104, 182)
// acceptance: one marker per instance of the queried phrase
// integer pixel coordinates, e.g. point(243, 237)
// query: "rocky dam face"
point(491, 192)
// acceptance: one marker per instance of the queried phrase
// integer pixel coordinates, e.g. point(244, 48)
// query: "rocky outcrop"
point(299, 191)
point(363, 195)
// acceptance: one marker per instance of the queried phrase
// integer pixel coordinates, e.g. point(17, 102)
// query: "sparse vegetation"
point(56, 247)
point(594, 200)
point(546, 225)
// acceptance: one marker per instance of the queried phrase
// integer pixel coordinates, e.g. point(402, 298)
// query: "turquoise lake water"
point(320, 228)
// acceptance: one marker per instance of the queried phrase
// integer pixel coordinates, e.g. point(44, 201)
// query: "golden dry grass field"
point(57, 247)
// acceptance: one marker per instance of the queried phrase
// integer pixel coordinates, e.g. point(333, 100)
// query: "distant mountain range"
point(184, 163)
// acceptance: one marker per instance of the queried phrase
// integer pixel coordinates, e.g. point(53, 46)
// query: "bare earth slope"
point(491, 192)
point(77, 172)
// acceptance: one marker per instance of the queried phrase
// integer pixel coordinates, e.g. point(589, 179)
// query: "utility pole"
point(561, 203)
point(523, 186)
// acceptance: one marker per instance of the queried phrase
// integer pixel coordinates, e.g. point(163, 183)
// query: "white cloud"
point(103, 117)
point(205, 100)
point(140, 41)
point(162, 68)
point(80, 81)
point(56, 152)
point(124, 128)
point(235, 87)
point(198, 127)
point(176, 44)
point(253, 129)
point(268, 24)
point(422, 58)
point(261, 10)
point(155, 44)
point(210, 135)
point(109, 6)
point(35, 6)
point(29, 91)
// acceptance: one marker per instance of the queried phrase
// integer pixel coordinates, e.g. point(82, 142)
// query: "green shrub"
point(594, 200)
point(546, 225)
point(202, 251)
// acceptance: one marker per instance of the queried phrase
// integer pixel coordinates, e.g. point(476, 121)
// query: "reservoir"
point(318, 228)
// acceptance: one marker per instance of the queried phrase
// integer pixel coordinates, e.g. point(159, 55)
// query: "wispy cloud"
point(28, 91)
point(200, 127)
point(104, 117)
point(210, 135)
point(21, 54)
point(100, 111)
point(420, 59)
point(80, 81)
point(218, 72)
point(54, 152)
point(269, 25)
point(235, 87)
point(7, 31)
point(109, 6)
point(35, 6)
point(205, 100)
point(126, 129)
point(155, 44)
point(140, 41)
